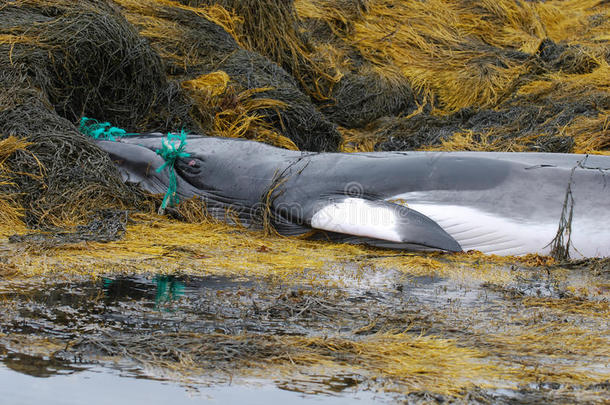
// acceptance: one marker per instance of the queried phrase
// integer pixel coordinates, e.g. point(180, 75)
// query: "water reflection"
point(36, 366)
point(162, 289)
point(98, 386)
point(169, 289)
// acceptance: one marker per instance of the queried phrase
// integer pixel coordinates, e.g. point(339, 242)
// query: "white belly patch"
point(478, 230)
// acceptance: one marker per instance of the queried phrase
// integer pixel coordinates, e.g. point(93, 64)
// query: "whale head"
point(138, 165)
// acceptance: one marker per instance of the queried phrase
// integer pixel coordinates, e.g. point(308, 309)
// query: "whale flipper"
point(381, 220)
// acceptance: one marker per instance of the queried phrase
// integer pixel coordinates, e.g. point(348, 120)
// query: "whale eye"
point(189, 166)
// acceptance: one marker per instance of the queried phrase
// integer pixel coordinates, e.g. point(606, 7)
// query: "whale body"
point(495, 202)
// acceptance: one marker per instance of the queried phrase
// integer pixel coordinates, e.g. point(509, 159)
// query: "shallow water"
point(120, 339)
point(160, 301)
point(97, 385)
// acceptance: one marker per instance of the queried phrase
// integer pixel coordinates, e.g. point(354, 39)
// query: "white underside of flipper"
point(359, 217)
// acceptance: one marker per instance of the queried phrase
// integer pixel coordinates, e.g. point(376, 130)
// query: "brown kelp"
point(503, 72)
point(198, 40)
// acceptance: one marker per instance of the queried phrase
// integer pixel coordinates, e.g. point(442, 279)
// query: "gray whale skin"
point(498, 203)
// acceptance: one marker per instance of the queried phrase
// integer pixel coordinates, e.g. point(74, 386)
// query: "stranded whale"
point(500, 203)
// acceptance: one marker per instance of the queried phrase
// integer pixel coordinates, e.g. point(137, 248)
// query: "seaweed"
point(571, 59)
point(272, 29)
point(436, 74)
point(360, 98)
point(104, 226)
point(57, 63)
point(273, 311)
point(193, 45)
point(527, 75)
point(299, 120)
point(515, 128)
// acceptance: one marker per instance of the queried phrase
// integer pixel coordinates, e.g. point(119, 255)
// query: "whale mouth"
point(137, 165)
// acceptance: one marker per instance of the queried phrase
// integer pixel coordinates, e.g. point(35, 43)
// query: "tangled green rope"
point(101, 130)
point(169, 152)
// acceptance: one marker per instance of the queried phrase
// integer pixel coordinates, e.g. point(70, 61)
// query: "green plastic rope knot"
point(101, 130)
point(170, 153)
